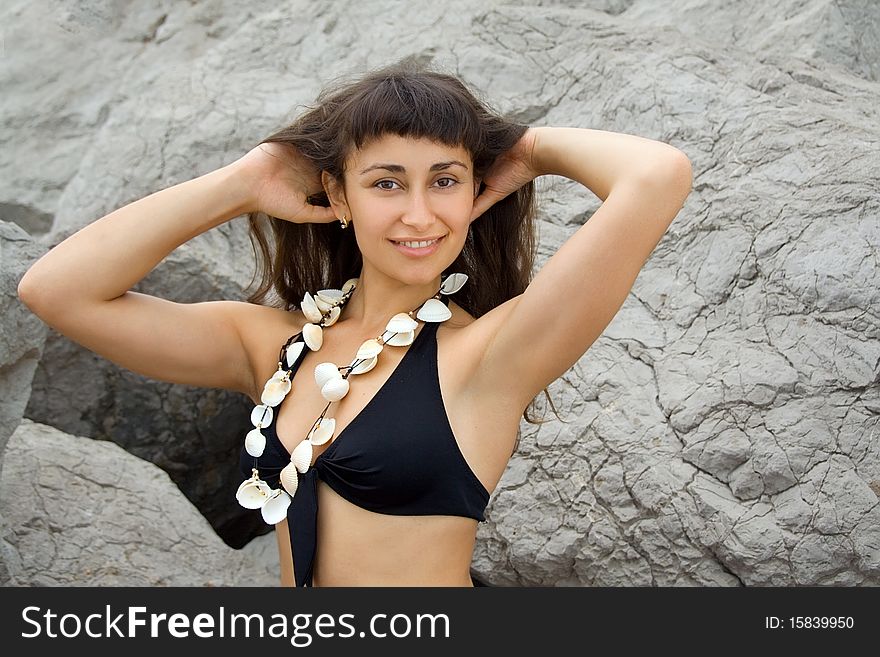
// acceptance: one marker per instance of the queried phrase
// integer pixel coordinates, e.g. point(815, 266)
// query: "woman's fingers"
point(486, 200)
point(317, 214)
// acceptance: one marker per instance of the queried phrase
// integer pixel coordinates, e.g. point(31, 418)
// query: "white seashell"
point(310, 308)
point(349, 285)
point(334, 314)
point(302, 456)
point(434, 310)
point(326, 371)
point(252, 493)
point(313, 335)
point(293, 352)
point(453, 283)
point(324, 432)
point(335, 389)
point(323, 305)
point(364, 366)
point(275, 508)
point(289, 478)
point(262, 415)
point(274, 391)
point(401, 323)
point(401, 339)
point(369, 349)
point(246, 482)
point(330, 295)
point(255, 443)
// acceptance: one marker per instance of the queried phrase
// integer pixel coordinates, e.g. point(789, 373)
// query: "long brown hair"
point(409, 100)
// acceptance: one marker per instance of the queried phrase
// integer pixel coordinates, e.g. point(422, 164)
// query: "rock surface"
point(722, 431)
point(85, 512)
point(22, 334)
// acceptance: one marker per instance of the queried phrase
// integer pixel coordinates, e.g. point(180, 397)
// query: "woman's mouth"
point(418, 247)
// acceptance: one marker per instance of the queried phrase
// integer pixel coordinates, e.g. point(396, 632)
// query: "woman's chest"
point(404, 415)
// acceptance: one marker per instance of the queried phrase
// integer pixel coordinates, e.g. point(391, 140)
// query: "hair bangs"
point(408, 107)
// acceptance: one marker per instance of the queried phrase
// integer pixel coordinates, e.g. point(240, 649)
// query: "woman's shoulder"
point(263, 331)
point(268, 323)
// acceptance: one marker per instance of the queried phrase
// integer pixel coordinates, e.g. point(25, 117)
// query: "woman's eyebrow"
point(397, 168)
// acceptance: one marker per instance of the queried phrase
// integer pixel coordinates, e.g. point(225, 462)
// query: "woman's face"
point(405, 189)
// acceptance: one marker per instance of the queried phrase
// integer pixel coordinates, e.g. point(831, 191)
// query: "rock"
point(22, 334)
point(83, 512)
point(192, 433)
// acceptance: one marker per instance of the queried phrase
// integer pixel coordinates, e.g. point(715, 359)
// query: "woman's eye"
point(450, 182)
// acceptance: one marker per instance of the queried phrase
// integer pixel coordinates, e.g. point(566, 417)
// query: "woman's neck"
point(378, 298)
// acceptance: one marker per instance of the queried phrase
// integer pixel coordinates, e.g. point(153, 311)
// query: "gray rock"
point(722, 431)
point(820, 31)
point(85, 512)
point(22, 334)
point(194, 434)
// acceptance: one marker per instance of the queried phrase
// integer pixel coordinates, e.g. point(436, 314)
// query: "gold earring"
point(343, 222)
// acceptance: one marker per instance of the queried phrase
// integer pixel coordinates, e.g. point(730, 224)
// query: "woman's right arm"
point(81, 287)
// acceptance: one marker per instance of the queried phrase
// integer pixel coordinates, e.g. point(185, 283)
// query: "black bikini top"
point(397, 456)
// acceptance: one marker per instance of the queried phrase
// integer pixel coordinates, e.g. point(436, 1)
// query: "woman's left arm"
point(643, 184)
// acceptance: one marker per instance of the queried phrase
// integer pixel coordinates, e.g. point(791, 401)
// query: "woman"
point(421, 196)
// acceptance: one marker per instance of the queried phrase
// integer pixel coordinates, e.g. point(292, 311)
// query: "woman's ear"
point(477, 182)
point(334, 192)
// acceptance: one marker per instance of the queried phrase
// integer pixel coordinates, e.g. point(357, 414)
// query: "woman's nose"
point(418, 211)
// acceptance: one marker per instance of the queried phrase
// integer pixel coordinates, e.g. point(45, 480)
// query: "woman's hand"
point(510, 171)
point(281, 180)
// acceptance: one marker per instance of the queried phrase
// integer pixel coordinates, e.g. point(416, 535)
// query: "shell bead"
point(401, 339)
point(335, 389)
point(330, 295)
point(323, 432)
point(323, 305)
point(274, 509)
point(302, 456)
point(326, 371)
point(434, 310)
point(401, 323)
point(313, 335)
point(349, 285)
point(293, 351)
point(274, 391)
point(289, 478)
point(255, 443)
point(262, 415)
point(369, 349)
point(364, 366)
point(332, 316)
point(453, 283)
point(310, 308)
point(252, 493)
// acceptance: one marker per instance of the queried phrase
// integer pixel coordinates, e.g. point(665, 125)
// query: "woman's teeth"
point(417, 245)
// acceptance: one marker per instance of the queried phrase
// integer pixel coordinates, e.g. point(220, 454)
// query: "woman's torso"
point(356, 546)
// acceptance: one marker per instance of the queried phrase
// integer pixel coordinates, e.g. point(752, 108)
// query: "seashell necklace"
point(322, 310)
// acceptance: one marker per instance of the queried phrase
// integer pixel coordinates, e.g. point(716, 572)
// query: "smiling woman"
point(401, 152)
point(407, 339)
point(422, 209)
